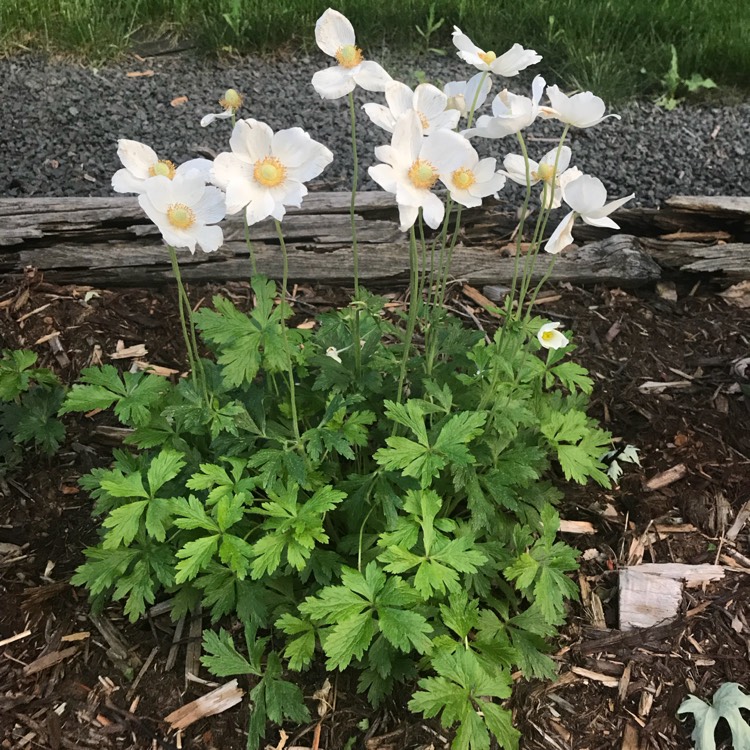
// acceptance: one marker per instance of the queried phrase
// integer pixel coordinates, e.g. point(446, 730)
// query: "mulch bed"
point(616, 689)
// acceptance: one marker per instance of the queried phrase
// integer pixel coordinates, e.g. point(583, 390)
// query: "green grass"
point(617, 48)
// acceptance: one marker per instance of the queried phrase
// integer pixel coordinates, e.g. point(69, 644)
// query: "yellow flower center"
point(164, 168)
point(463, 178)
point(488, 57)
point(231, 100)
point(422, 174)
point(349, 56)
point(548, 335)
point(545, 172)
point(180, 216)
point(425, 122)
point(269, 172)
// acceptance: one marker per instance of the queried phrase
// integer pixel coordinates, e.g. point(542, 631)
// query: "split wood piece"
point(631, 738)
point(49, 660)
point(194, 645)
point(118, 651)
point(665, 478)
point(210, 704)
point(577, 527)
point(651, 594)
point(739, 522)
point(604, 679)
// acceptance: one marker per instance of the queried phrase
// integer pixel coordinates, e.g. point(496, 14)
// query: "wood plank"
point(715, 204)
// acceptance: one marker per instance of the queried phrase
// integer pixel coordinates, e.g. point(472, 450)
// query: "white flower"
point(335, 36)
point(140, 162)
point(582, 110)
point(473, 180)
point(587, 196)
point(428, 101)
point(231, 101)
point(414, 163)
point(550, 338)
point(265, 171)
point(511, 113)
point(182, 208)
point(508, 64)
point(543, 171)
point(461, 93)
point(333, 353)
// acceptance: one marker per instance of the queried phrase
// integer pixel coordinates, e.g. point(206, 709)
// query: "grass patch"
point(617, 49)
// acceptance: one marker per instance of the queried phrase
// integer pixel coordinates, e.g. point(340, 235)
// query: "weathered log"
point(109, 241)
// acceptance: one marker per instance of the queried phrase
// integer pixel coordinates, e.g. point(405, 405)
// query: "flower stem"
point(412, 319)
point(249, 244)
point(355, 246)
point(284, 278)
point(470, 119)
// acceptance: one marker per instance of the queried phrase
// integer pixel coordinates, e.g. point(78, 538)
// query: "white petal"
point(159, 191)
point(444, 121)
point(585, 195)
point(484, 188)
point(537, 89)
point(562, 161)
point(212, 207)
point(251, 139)
point(380, 115)
point(239, 193)
point(371, 76)
point(407, 215)
point(515, 166)
point(433, 210)
point(610, 207)
point(386, 154)
point(448, 151)
point(292, 194)
point(136, 157)
point(514, 60)
point(333, 31)
point(123, 181)
point(399, 97)
point(464, 197)
point(260, 207)
point(188, 188)
point(227, 167)
point(485, 169)
point(156, 215)
point(463, 43)
point(471, 91)
point(199, 165)
point(407, 137)
point(333, 82)
point(562, 236)
point(206, 120)
point(317, 158)
point(385, 176)
point(600, 221)
point(429, 100)
point(210, 239)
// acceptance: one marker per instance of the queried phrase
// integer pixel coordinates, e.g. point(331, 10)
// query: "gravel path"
point(60, 124)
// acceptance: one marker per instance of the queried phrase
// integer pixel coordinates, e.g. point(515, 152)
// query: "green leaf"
point(300, 650)
point(348, 640)
point(221, 657)
point(158, 518)
point(236, 553)
point(404, 629)
point(124, 523)
point(458, 431)
point(191, 514)
point(164, 467)
point(124, 485)
point(727, 703)
point(195, 556)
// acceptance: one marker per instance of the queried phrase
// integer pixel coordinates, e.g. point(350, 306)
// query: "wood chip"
point(692, 575)
point(178, 101)
point(656, 386)
point(665, 478)
point(577, 527)
point(475, 295)
point(74, 637)
point(139, 73)
point(48, 337)
point(128, 352)
point(715, 236)
point(14, 638)
point(631, 738)
point(739, 522)
point(210, 704)
point(49, 660)
point(604, 679)
point(667, 290)
point(738, 295)
point(144, 366)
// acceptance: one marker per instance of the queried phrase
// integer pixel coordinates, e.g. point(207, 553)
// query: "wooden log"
point(109, 241)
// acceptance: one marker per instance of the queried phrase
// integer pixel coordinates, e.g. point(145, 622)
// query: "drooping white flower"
point(140, 162)
point(511, 113)
point(550, 338)
point(183, 208)
point(544, 171)
point(461, 94)
point(335, 36)
point(428, 101)
point(587, 196)
point(333, 353)
point(473, 180)
point(265, 171)
point(582, 110)
point(413, 164)
point(508, 64)
point(231, 102)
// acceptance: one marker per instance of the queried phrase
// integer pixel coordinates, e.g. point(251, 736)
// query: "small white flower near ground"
point(509, 64)
point(550, 338)
point(231, 102)
point(582, 110)
point(511, 113)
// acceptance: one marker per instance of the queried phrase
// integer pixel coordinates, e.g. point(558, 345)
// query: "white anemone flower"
point(587, 196)
point(265, 171)
point(582, 110)
point(473, 180)
point(511, 113)
point(412, 166)
point(183, 208)
point(544, 171)
point(550, 338)
point(428, 101)
point(508, 64)
point(461, 94)
point(231, 101)
point(335, 36)
point(141, 162)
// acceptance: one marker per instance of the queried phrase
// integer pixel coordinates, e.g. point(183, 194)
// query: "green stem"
point(476, 98)
point(412, 319)
point(539, 286)
point(285, 276)
point(355, 246)
point(249, 244)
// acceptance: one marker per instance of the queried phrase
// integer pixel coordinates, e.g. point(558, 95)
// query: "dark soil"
point(624, 339)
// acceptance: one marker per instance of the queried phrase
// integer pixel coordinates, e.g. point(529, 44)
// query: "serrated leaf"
point(123, 524)
point(195, 556)
point(404, 629)
point(236, 553)
point(348, 640)
point(222, 658)
point(164, 467)
point(124, 485)
point(158, 518)
point(300, 650)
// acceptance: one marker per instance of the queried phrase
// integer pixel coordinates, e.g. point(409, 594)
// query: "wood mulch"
point(668, 369)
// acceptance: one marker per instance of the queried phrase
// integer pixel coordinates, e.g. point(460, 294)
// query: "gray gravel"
point(61, 122)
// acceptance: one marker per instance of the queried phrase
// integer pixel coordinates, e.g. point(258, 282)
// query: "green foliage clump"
point(29, 399)
point(408, 534)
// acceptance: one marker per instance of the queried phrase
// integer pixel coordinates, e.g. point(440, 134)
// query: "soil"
point(616, 689)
